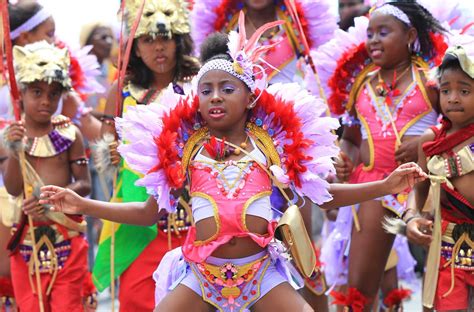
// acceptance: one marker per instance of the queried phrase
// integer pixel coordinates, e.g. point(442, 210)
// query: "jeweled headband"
point(31, 23)
point(228, 67)
point(392, 10)
point(245, 56)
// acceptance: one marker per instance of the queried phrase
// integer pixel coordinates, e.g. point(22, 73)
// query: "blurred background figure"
point(350, 9)
point(100, 37)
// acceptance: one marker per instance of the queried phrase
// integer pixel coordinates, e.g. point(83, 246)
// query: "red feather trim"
point(440, 46)
point(304, 23)
point(285, 116)
point(169, 140)
point(354, 299)
point(225, 9)
point(228, 8)
point(396, 296)
point(181, 119)
point(6, 287)
point(75, 70)
point(351, 63)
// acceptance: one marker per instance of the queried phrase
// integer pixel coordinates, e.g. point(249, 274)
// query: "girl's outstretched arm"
point(67, 201)
point(405, 176)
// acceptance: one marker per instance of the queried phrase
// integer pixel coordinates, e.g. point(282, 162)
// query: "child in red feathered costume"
point(314, 24)
point(446, 152)
point(381, 85)
point(230, 141)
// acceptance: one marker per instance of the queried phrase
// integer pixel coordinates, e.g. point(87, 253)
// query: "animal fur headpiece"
point(159, 17)
point(41, 61)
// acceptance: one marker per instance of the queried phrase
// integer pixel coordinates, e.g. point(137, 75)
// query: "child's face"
point(44, 31)
point(258, 4)
point(40, 100)
point(457, 96)
point(158, 54)
point(223, 100)
point(349, 8)
point(387, 40)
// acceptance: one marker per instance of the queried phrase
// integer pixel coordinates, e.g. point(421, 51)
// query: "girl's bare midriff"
point(237, 247)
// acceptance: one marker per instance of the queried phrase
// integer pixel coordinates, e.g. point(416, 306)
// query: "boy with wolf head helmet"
point(54, 152)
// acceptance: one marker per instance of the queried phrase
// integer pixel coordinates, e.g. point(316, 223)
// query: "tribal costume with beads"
point(62, 248)
point(452, 245)
point(347, 73)
point(286, 58)
point(292, 145)
point(450, 157)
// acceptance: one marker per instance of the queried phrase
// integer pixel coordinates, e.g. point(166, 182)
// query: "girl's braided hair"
point(424, 23)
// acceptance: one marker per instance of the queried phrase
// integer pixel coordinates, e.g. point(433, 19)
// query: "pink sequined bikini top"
point(230, 200)
point(410, 108)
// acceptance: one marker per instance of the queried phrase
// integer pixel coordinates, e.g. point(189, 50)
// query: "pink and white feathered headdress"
point(246, 54)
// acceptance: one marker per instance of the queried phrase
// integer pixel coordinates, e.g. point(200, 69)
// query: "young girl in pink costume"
point(375, 73)
point(284, 63)
point(230, 140)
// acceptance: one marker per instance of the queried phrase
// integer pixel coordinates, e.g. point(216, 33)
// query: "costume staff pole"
point(21, 153)
point(123, 58)
point(291, 6)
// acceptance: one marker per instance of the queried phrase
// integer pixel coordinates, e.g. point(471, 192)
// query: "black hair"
point(21, 12)
point(215, 47)
point(424, 23)
point(449, 62)
point(186, 65)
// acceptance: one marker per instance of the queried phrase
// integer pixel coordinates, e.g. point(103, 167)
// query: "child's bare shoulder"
point(429, 135)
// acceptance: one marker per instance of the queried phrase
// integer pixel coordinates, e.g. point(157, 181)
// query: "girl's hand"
point(15, 132)
point(419, 231)
point(407, 152)
point(405, 176)
point(32, 207)
point(61, 199)
point(344, 167)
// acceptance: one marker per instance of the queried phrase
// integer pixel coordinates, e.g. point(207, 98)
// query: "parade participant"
point(284, 63)
point(229, 140)
point(54, 154)
point(160, 56)
point(380, 84)
point(101, 37)
point(30, 22)
point(7, 297)
point(446, 152)
point(350, 9)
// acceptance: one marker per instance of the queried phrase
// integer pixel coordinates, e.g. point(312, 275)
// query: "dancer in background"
point(29, 23)
point(160, 56)
point(54, 153)
point(381, 86)
point(446, 152)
